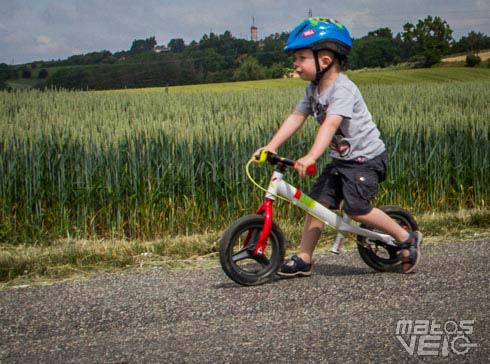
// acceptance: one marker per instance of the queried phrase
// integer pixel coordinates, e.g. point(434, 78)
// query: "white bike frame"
point(279, 187)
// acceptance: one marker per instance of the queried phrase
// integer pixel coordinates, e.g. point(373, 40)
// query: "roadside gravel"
point(344, 313)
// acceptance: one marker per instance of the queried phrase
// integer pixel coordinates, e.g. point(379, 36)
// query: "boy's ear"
point(327, 59)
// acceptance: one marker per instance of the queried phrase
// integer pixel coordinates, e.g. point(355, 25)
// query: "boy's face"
point(304, 64)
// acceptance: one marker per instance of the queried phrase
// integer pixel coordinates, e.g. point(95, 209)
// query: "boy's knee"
point(358, 213)
point(359, 216)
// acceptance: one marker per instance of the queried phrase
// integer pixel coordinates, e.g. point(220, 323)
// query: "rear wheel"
point(236, 251)
point(377, 254)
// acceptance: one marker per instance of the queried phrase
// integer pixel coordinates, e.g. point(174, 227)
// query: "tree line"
point(223, 57)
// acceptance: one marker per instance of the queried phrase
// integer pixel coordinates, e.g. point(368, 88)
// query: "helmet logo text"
point(308, 33)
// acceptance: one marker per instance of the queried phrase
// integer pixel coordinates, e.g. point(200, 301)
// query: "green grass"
point(24, 84)
point(423, 75)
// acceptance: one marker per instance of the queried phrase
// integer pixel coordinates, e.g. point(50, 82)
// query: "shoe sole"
point(296, 274)
point(419, 242)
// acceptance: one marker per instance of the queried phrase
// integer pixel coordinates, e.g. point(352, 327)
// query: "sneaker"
point(299, 268)
point(412, 244)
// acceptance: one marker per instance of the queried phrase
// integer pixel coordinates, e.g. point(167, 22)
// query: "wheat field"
point(146, 164)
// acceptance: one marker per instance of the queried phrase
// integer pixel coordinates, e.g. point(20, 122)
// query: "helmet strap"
point(320, 72)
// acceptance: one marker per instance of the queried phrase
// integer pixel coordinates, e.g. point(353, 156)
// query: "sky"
point(34, 30)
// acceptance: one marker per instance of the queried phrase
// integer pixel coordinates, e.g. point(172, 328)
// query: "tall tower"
point(310, 13)
point(253, 31)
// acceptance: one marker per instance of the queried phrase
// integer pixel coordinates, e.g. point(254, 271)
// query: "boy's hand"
point(303, 163)
point(257, 152)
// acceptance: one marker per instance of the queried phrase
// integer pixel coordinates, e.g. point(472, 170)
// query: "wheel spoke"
point(242, 254)
point(252, 237)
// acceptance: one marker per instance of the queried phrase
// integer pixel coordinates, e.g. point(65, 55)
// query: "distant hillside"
point(360, 77)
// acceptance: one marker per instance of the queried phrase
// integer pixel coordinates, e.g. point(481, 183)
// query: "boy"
point(320, 47)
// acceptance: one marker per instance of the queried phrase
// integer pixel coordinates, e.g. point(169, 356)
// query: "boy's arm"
point(292, 123)
point(323, 139)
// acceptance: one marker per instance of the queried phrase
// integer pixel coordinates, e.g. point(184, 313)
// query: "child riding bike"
point(320, 47)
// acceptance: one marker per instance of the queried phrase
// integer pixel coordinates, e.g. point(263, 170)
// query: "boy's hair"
point(341, 58)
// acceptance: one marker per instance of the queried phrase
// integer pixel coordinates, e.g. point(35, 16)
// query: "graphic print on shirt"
point(340, 145)
point(319, 110)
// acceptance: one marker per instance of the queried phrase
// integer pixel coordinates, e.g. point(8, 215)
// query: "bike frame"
point(279, 187)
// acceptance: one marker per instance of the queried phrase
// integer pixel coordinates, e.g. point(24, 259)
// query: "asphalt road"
point(344, 313)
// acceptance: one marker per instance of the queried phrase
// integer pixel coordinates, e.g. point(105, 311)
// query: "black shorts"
point(354, 182)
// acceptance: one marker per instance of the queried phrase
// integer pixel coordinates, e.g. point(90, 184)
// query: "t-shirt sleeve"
point(341, 103)
point(304, 105)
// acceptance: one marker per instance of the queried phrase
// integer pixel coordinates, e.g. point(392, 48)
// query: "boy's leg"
point(327, 190)
point(360, 184)
point(379, 220)
point(311, 234)
point(300, 264)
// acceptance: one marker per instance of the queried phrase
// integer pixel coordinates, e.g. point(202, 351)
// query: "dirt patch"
point(484, 55)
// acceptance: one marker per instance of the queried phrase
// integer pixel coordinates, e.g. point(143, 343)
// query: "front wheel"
point(377, 254)
point(236, 251)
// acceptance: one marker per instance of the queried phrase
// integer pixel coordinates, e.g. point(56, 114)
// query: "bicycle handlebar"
point(271, 158)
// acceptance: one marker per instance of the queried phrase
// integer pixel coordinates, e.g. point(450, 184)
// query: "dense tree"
point(211, 60)
point(143, 45)
point(71, 78)
point(83, 59)
point(26, 74)
point(271, 51)
point(405, 50)
point(377, 49)
point(4, 72)
point(381, 33)
point(43, 73)
point(277, 70)
point(473, 42)
point(430, 39)
point(249, 69)
point(176, 45)
point(472, 60)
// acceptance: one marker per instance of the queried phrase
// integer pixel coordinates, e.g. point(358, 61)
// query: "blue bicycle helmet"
point(318, 34)
point(321, 34)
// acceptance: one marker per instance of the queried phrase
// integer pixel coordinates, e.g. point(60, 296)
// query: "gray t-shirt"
point(357, 138)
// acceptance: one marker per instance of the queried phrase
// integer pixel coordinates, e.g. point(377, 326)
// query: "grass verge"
point(70, 259)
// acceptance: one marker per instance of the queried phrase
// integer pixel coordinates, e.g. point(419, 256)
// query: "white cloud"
point(43, 40)
point(359, 21)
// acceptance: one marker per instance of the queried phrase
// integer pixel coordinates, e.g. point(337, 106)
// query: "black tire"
point(248, 269)
point(380, 256)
